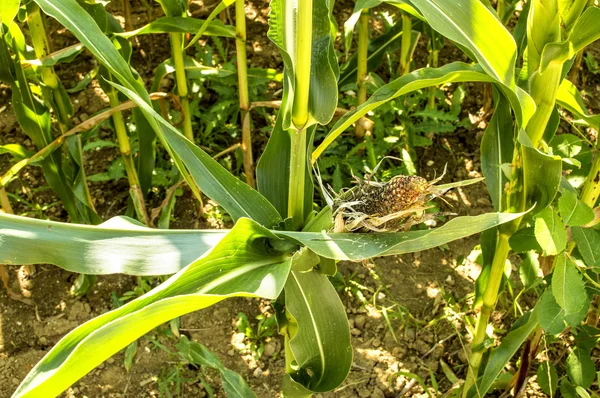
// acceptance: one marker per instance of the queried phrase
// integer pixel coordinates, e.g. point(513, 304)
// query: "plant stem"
point(303, 63)
point(591, 187)
point(240, 45)
point(574, 73)
point(300, 114)
point(125, 148)
point(406, 49)
point(490, 296)
point(182, 87)
point(434, 64)
point(361, 66)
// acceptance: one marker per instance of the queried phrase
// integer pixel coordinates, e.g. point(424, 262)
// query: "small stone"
point(450, 280)
point(110, 360)
point(376, 343)
point(364, 393)
point(269, 349)
point(15, 381)
point(411, 334)
point(377, 393)
point(359, 321)
point(43, 340)
point(83, 116)
point(355, 332)
point(399, 352)
point(421, 346)
point(231, 353)
point(430, 163)
point(258, 372)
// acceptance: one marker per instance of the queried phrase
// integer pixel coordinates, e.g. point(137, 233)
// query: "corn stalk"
point(240, 45)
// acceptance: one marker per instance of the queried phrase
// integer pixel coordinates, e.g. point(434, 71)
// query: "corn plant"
point(280, 248)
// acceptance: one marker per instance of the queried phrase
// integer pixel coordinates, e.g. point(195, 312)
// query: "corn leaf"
point(182, 25)
point(500, 355)
point(497, 147)
point(488, 40)
point(199, 169)
point(321, 344)
point(120, 245)
point(569, 97)
point(455, 72)
point(585, 31)
point(241, 265)
point(359, 246)
point(323, 94)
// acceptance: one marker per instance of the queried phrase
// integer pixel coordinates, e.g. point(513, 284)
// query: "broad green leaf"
point(182, 25)
point(120, 245)
point(588, 244)
point(552, 317)
point(569, 97)
point(359, 246)
point(567, 285)
point(8, 11)
point(472, 25)
point(573, 211)
point(323, 93)
point(173, 7)
point(581, 368)
point(321, 344)
point(452, 73)
point(529, 269)
point(524, 241)
point(500, 355)
point(241, 265)
point(550, 232)
point(567, 390)
point(541, 174)
point(547, 378)
point(497, 147)
point(585, 31)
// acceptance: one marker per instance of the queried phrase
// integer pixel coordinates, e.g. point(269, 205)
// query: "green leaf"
point(241, 265)
point(8, 11)
point(497, 148)
point(233, 384)
point(567, 286)
point(573, 211)
point(569, 97)
point(550, 232)
point(524, 241)
point(567, 390)
point(547, 378)
point(500, 355)
point(321, 345)
point(130, 352)
point(120, 245)
point(585, 31)
point(216, 11)
point(323, 93)
point(193, 69)
point(552, 317)
point(541, 174)
point(182, 25)
point(359, 246)
point(455, 72)
point(17, 151)
point(581, 368)
point(529, 269)
point(237, 198)
point(488, 40)
point(65, 55)
point(588, 243)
